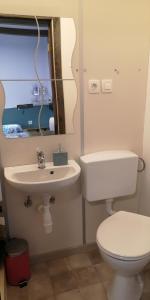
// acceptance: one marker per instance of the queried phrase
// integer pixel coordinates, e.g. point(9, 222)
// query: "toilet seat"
point(125, 236)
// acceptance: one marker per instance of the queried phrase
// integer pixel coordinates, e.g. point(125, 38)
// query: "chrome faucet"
point(41, 159)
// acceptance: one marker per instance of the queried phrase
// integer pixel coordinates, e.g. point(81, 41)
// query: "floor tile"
point(106, 285)
point(86, 276)
point(93, 292)
point(41, 298)
point(77, 277)
point(105, 272)
point(95, 257)
point(41, 288)
point(64, 282)
point(39, 270)
point(57, 267)
point(15, 293)
point(79, 261)
point(28, 293)
point(72, 295)
point(39, 267)
point(35, 297)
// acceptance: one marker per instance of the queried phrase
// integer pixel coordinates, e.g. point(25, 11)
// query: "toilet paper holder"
point(142, 165)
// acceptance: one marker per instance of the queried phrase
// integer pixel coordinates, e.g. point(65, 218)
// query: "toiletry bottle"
point(60, 157)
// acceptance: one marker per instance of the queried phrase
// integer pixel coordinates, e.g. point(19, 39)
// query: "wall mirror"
point(35, 71)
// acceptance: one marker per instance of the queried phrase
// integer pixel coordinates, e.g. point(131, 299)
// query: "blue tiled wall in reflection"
point(23, 116)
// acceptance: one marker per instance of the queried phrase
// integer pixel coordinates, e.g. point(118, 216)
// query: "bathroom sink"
point(31, 179)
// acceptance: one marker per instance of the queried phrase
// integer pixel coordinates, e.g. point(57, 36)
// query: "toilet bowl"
point(124, 243)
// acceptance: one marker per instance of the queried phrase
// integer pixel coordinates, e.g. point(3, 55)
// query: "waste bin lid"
point(15, 247)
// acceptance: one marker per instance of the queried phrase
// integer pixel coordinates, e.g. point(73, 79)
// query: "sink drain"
point(51, 172)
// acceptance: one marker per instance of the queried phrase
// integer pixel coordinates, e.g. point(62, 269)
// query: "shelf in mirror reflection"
point(34, 79)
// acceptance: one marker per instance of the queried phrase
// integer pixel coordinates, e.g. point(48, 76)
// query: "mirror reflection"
point(40, 91)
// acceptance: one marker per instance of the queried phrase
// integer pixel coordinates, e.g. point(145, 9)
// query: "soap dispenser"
point(60, 157)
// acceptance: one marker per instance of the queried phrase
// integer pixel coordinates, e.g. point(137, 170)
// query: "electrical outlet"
point(94, 86)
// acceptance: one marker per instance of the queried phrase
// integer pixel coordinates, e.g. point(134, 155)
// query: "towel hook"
point(142, 163)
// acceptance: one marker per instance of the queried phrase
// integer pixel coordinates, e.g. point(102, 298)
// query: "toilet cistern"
point(108, 174)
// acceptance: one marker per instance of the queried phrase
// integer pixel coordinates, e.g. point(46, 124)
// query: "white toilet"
point(123, 238)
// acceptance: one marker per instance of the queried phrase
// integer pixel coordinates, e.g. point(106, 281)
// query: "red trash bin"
point(17, 262)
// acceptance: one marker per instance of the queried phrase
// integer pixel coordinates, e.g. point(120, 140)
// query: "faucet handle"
point(38, 150)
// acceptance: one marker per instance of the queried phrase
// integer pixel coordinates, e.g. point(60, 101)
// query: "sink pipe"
point(47, 217)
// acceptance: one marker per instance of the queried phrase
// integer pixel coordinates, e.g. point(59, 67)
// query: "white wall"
point(145, 184)
point(70, 96)
point(68, 39)
point(116, 43)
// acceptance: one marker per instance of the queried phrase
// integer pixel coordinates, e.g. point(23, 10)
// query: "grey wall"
point(17, 63)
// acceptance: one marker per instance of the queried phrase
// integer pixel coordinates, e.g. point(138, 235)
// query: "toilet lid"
point(125, 235)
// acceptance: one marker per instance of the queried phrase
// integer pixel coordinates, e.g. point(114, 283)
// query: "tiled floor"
point(78, 277)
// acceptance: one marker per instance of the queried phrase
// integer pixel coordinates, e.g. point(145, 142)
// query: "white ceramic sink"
point(31, 179)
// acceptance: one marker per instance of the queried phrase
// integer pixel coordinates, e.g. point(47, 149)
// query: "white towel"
point(52, 124)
